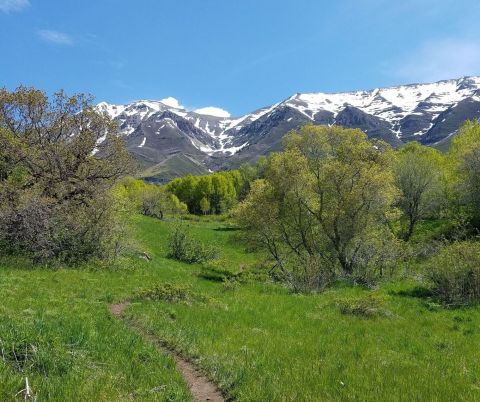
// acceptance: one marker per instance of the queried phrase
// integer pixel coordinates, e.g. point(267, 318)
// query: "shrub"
point(368, 307)
point(455, 273)
point(304, 273)
point(183, 247)
point(173, 294)
point(378, 256)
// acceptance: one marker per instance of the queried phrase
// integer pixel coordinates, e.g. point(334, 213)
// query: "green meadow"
point(254, 338)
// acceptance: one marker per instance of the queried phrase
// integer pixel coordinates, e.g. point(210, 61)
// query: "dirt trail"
point(200, 386)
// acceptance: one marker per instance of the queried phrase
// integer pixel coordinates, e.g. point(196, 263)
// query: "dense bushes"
point(455, 273)
point(183, 247)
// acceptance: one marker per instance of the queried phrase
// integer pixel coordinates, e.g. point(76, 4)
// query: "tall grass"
point(257, 340)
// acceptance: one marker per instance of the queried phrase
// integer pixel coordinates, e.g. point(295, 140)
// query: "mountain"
point(169, 140)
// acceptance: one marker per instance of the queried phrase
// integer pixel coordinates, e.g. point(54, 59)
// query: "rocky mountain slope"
point(169, 140)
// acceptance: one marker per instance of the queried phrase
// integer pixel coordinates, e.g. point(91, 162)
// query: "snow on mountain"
point(428, 113)
point(392, 104)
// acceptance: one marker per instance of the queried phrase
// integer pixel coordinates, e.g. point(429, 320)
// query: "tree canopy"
point(59, 159)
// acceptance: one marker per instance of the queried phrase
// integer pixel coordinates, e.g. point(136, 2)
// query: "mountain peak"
point(429, 113)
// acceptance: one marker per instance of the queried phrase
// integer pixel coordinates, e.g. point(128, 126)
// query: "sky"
point(238, 55)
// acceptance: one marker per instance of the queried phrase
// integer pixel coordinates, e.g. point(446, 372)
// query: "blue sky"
point(236, 54)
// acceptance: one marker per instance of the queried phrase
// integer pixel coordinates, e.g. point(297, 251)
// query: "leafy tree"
point(185, 189)
point(59, 160)
point(352, 185)
point(419, 175)
point(321, 202)
point(221, 189)
point(223, 194)
point(248, 174)
point(151, 199)
point(203, 190)
point(157, 202)
point(465, 152)
point(205, 205)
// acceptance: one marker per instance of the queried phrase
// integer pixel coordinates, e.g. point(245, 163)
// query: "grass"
point(258, 341)
point(175, 166)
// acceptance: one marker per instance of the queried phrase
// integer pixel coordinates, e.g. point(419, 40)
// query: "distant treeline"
point(216, 193)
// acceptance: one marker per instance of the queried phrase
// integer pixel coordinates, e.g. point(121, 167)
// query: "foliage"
point(205, 205)
point(172, 293)
point(59, 160)
point(455, 273)
point(151, 199)
point(465, 152)
point(419, 175)
point(183, 247)
point(368, 307)
point(320, 203)
point(216, 193)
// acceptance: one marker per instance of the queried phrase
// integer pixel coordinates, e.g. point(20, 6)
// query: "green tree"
point(352, 185)
point(465, 152)
point(248, 174)
point(419, 175)
point(223, 194)
point(205, 205)
point(59, 161)
point(203, 190)
point(154, 201)
point(185, 189)
point(321, 202)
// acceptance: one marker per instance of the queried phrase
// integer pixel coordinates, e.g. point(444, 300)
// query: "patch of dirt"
point(118, 309)
point(201, 388)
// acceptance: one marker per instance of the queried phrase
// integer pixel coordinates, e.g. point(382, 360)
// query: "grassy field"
point(257, 341)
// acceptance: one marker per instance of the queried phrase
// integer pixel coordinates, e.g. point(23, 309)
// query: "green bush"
point(173, 294)
point(183, 247)
point(369, 307)
point(455, 273)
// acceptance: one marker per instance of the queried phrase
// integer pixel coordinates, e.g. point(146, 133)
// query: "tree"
point(352, 185)
point(321, 202)
point(157, 202)
point(223, 194)
point(419, 175)
point(248, 174)
point(465, 152)
point(205, 206)
point(203, 190)
point(59, 160)
point(184, 188)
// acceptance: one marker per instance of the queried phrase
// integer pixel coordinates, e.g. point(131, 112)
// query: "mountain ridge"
point(161, 134)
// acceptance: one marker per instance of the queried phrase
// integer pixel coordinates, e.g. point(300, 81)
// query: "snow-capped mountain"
point(170, 140)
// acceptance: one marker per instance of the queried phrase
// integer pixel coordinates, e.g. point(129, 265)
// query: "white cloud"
point(172, 102)
point(212, 111)
point(439, 59)
point(56, 37)
point(13, 5)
